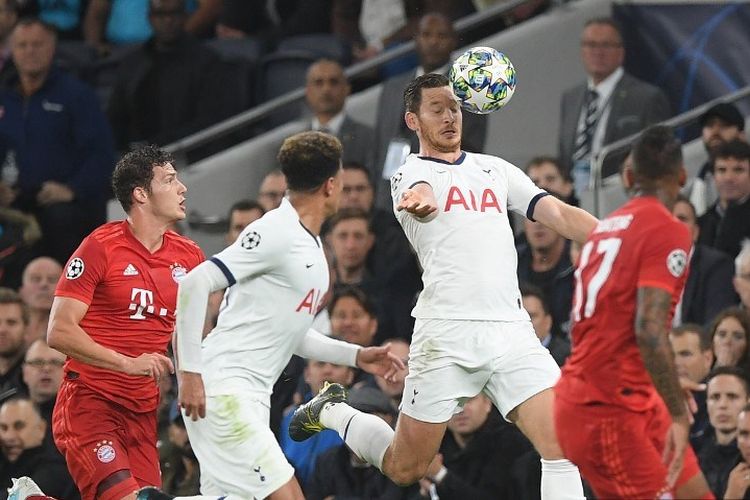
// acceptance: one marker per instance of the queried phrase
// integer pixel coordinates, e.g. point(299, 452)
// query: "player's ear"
point(682, 175)
point(411, 120)
point(140, 195)
point(628, 177)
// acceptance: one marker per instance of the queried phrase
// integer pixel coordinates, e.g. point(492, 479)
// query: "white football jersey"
point(278, 274)
point(467, 252)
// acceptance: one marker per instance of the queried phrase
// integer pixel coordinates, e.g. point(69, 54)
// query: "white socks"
point(368, 436)
point(561, 480)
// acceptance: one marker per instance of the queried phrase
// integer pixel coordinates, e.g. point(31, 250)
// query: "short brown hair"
point(413, 92)
point(308, 159)
point(10, 296)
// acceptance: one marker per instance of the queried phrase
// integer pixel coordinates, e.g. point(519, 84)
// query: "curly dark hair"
point(308, 159)
point(136, 169)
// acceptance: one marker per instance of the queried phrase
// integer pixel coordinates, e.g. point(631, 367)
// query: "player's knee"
point(406, 474)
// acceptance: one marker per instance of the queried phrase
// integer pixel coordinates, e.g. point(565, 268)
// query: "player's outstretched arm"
point(65, 334)
point(419, 200)
point(571, 222)
point(651, 333)
point(376, 360)
point(192, 300)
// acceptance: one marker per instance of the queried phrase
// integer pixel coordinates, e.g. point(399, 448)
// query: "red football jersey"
point(131, 294)
point(639, 245)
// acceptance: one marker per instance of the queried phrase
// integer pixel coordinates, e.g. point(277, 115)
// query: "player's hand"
point(150, 364)
point(417, 204)
point(381, 361)
point(54, 192)
point(192, 395)
point(739, 480)
point(674, 450)
point(688, 387)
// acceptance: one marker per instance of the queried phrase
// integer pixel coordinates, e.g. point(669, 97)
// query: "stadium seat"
point(282, 72)
point(247, 50)
point(319, 45)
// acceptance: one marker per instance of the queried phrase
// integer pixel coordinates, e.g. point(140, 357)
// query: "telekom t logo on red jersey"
point(456, 198)
point(142, 300)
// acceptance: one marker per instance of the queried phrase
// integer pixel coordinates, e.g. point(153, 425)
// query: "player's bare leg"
point(290, 491)
point(534, 417)
point(412, 449)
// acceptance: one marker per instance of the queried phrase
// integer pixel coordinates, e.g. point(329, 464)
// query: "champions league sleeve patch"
point(75, 268)
point(250, 240)
point(677, 261)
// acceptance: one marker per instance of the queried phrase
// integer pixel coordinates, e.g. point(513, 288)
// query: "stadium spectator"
point(339, 473)
point(326, 90)
point(727, 222)
point(109, 23)
point(548, 174)
point(693, 358)
point(726, 395)
point(181, 474)
point(8, 19)
point(706, 291)
point(168, 87)
point(544, 261)
point(14, 318)
point(271, 20)
point(272, 190)
point(478, 457)
point(391, 258)
point(739, 477)
point(741, 280)
point(435, 41)
point(241, 214)
point(535, 303)
point(350, 238)
point(113, 316)
point(303, 455)
point(37, 291)
point(58, 141)
point(42, 373)
point(353, 317)
point(729, 337)
point(609, 106)
point(720, 124)
point(24, 453)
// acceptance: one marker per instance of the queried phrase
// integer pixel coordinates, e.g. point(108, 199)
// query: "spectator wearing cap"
point(339, 473)
point(481, 457)
point(727, 222)
point(720, 124)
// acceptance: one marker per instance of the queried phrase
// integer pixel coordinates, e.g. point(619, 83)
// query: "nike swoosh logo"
point(309, 265)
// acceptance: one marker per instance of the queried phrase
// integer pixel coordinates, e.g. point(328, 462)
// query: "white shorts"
point(451, 361)
point(238, 453)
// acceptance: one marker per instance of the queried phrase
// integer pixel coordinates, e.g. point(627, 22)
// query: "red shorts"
point(99, 437)
point(619, 452)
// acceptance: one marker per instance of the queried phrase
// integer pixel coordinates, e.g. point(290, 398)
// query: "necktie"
point(586, 129)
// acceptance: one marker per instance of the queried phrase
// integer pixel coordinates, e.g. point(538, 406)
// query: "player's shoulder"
point(650, 215)
point(108, 232)
point(184, 244)
point(481, 160)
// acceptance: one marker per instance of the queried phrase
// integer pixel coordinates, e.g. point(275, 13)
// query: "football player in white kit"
point(471, 334)
point(277, 273)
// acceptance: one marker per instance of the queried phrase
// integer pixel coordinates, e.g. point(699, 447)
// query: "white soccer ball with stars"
point(483, 79)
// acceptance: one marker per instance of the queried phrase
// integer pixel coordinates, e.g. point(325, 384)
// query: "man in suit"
point(609, 106)
point(536, 305)
point(326, 90)
point(707, 289)
point(435, 41)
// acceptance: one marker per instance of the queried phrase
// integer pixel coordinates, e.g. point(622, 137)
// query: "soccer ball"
point(483, 79)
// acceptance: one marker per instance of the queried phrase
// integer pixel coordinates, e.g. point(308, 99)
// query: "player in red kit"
point(620, 412)
point(113, 316)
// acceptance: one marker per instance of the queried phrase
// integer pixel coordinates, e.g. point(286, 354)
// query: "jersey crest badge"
point(250, 240)
point(677, 261)
point(75, 268)
point(105, 452)
point(178, 272)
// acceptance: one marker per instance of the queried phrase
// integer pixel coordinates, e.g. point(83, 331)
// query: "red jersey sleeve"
point(85, 269)
point(665, 258)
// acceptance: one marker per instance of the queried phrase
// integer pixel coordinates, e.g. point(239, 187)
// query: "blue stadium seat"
point(282, 72)
point(320, 45)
